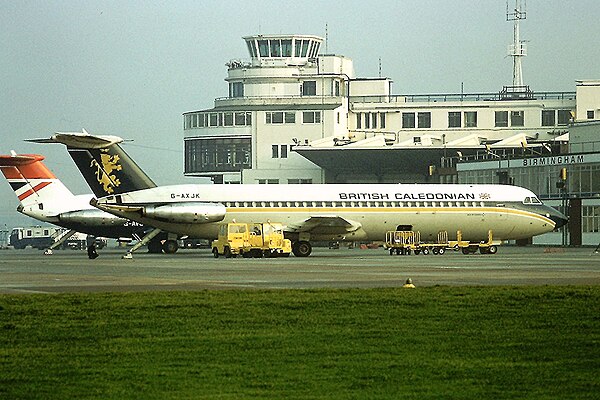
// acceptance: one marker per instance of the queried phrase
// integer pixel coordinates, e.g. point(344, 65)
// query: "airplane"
point(44, 197)
point(319, 212)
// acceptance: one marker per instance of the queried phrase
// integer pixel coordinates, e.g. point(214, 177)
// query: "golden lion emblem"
point(104, 172)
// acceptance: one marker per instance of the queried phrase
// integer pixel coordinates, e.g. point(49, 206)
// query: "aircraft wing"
point(325, 224)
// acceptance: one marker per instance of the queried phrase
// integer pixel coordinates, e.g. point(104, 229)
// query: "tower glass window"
point(236, 89)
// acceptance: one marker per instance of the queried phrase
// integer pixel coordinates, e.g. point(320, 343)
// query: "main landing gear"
point(168, 246)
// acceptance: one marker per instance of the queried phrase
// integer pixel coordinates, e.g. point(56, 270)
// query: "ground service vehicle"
point(251, 240)
point(37, 237)
point(407, 242)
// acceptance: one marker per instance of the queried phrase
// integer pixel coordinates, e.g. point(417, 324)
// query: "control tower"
point(282, 49)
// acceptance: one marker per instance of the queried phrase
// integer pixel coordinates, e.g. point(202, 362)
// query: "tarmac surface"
point(30, 271)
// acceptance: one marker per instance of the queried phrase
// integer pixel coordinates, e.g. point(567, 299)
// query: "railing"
point(417, 98)
point(497, 155)
point(434, 98)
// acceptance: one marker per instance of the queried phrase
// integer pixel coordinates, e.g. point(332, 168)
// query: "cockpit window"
point(531, 200)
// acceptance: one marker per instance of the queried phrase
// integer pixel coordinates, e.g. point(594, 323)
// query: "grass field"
point(424, 343)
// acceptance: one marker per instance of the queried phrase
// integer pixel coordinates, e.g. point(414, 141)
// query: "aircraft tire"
point(154, 247)
point(302, 248)
point(170, 246)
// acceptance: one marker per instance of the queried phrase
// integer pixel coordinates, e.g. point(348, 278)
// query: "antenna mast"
point(326, 39)
point(517, 50)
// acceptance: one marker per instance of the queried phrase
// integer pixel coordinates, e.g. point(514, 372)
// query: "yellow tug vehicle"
point(251, 240)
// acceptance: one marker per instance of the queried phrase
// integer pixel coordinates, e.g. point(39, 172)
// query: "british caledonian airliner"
point(320, 212)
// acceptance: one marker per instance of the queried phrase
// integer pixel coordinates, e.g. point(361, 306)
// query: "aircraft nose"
point(559, 218)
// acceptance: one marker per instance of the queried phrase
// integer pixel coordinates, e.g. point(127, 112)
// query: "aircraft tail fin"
point(106, 167)
point(33, 183)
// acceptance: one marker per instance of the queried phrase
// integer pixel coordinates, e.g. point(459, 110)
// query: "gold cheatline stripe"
point(390, 209)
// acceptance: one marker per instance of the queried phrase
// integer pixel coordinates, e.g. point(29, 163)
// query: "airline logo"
point(104, 172)
point(411, 196)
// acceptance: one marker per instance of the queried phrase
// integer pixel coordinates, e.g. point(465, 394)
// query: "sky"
point(131, 68)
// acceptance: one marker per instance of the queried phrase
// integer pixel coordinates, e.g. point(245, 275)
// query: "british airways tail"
point(106, 167)
point(36, 187)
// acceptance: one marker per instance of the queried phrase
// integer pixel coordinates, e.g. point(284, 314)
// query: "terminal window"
point(218, 155)
point(517, 118)
point(590, 218)
point(311, 117)
point(424, 119)
point(309, 88)
point(277, 117)
point(470, 119)
point(295, 181)
point(548, 117)
point(501, 118)
point(279, 151)
point(408, 120)
point(454, 119)
point(564, 117)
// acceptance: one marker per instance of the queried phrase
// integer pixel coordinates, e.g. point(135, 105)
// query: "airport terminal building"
point(293, 115)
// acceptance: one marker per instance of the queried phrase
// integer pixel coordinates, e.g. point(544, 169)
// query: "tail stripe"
point(17, 185)
point(35, 189)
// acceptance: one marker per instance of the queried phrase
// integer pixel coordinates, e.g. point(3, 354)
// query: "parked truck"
point(251, 240)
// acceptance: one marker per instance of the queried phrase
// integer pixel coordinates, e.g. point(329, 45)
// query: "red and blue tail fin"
point(33, 183)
